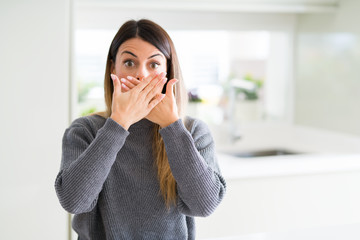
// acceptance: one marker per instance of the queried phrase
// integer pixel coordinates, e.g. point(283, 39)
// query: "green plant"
point(88, 111)
point(258, 82)
point(249, 94)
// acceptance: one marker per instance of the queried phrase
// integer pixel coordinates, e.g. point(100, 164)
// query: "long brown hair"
point(158, 37)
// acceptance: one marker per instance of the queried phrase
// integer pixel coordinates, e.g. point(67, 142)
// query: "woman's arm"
point(86, 161)
point(194, 166)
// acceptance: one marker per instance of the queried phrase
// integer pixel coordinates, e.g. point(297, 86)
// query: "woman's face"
point(138, 59)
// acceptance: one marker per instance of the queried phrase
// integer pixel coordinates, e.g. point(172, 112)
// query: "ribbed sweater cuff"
point(114, 132)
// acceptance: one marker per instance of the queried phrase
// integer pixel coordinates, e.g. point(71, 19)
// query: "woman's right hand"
point(131, 106)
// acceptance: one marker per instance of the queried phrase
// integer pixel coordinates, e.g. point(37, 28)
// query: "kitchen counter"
point(341, 232)
point(312, 195)
point(234, 167)
point(321, 151)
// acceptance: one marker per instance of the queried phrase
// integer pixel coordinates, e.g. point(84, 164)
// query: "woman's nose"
point(142, 73)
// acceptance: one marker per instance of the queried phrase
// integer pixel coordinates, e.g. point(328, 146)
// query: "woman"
point(140, 170)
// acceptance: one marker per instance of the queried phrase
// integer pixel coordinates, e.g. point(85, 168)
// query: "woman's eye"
point(154, 65)
point(129, 63)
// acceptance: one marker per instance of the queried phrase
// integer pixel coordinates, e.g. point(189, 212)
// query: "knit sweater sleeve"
point(192, 159)
point(87, 157)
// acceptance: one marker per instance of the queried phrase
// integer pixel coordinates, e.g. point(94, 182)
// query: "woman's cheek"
point(160, 70)
point(123, 73)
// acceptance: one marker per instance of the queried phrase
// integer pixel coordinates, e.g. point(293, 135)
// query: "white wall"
point(112, 17)
point(328, 76)
point(34, 82)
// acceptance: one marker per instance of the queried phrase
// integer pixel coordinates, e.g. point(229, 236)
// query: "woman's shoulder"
point(91, 122)
point(195, 125)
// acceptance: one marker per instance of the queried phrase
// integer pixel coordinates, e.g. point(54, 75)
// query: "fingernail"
point(113, 77)
point(128, 77)
point(123, 79)
point(165, 79)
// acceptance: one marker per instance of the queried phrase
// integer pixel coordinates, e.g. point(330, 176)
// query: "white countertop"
point(233, 167)
point(341, 232)
point(321, 151)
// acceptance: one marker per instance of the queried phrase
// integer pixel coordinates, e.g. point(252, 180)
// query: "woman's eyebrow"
point(128, 53)
point(157, 54)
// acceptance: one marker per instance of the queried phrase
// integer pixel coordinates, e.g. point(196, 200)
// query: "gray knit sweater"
point(108, 180)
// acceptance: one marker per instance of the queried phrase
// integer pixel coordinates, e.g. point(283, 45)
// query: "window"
point(91, 48)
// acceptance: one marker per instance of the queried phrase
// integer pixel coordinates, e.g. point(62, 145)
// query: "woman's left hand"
point(166, 112)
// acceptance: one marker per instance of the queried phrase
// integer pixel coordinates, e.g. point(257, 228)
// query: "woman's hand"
point(128, 83)
point(166, 112)
point(136, 103)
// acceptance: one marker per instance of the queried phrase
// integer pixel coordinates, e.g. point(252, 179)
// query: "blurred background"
point(277, 81)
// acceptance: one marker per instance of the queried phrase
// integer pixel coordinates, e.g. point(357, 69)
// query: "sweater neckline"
point(143, 123)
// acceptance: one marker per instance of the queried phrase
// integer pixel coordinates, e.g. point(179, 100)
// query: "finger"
point(156, 101)
point(124, 88)
point(116, 83)
point(170, 87)
point(144, 83)
point(153, 83)
point(127, 83)
point(157, 89)
point(133, 80)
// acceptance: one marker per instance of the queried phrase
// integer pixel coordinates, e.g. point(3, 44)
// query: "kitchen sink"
point(263, 153)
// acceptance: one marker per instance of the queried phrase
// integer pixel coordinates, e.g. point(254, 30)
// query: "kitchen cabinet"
point(289, 194)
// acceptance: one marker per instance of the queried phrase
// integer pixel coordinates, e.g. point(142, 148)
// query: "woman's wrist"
point(121, 122)
point(168, 122)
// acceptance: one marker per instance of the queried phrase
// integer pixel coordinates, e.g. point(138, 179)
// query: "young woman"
point(140, 170)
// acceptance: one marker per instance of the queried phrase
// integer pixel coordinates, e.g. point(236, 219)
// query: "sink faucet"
point(233, 124)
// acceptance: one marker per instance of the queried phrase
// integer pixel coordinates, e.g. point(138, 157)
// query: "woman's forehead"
point(138, 47)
